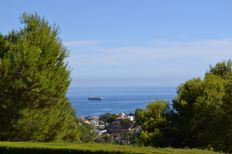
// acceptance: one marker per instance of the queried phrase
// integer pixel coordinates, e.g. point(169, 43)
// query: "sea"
point(116, 99)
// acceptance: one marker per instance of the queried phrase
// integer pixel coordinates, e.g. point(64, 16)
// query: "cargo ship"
point(95, 98)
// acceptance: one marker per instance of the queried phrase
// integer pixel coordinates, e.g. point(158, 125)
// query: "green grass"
point(92, 148)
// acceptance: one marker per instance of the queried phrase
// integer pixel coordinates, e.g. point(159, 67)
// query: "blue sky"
point(134, 43)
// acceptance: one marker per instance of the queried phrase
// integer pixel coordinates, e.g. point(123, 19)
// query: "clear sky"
point(134, 42)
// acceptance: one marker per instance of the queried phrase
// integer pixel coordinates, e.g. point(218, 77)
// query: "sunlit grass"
point(94, 147)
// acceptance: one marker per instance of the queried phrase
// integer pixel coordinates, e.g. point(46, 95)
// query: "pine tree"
point(33, 84)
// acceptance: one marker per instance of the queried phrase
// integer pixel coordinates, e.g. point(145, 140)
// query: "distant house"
point(100, 132)
point(131, 118)
point(115, 127)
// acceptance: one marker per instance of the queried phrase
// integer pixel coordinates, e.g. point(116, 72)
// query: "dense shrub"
point(199, 117)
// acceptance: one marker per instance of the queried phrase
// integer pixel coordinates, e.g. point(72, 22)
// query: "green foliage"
point(107, 117)
point(33, 84)
point(222, 69)
point(87, 133)
point(153, 122)
point(203, 109)
point(201, 114)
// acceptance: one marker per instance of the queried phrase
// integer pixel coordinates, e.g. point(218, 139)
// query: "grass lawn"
point(98, 148)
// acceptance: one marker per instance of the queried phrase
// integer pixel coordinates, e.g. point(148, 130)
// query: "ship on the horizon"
point(95, 98)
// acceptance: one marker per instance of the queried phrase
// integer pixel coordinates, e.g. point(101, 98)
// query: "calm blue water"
point(116, 100)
